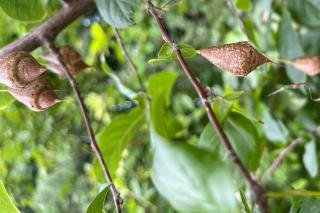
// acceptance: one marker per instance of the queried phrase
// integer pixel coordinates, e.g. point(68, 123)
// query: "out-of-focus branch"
point(256, 188)
point(238, 17)
point(128, 58)
point(279, 159)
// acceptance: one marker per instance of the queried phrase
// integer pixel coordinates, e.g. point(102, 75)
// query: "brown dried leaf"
point(70, 57)
point(238, 58)
point(38, 95)
point(307, 64)
point(17, 69)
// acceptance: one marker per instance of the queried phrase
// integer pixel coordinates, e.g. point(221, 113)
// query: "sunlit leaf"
point(244, 5)
point(6, 204)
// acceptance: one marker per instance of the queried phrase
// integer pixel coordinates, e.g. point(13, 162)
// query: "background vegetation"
point(46, 163)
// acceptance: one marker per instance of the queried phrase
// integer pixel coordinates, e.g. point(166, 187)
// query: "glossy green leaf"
point(305, 12)
point(6, 204)
point(167, 53)
point(310, 160)
point(159, 88)
point(244, 5)
point(22, 10)
point(290, 47)
point(192, 179)
point(117, 13)
point(242, 135)
point(96, 206)
point(114, 137)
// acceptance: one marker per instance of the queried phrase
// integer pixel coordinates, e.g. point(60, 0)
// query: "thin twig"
point(128, 58)
point(241, 22)
point(279, 159)
point(256, 188)
point(94, 145)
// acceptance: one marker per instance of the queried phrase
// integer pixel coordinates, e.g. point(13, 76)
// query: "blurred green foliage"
point(46, 163)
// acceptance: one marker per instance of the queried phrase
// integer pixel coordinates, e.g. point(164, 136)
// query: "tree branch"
point(94, 145)
point(256, 188)
point(279, 159)
point(128, 58)
point(50, 28)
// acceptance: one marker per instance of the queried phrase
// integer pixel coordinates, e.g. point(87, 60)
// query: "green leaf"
point(166, 53)
point(244, 5)
point(22, 10)
point(290, 47)
point(208, 138)
point(305, 12)
point(310, 205)
point(248, 24)
point(192, 179)
point(96, 206)
point(274, 130)
point(245, 202)
point(117, 13)
point(5, 202)
point(310, 160)
point(159, 88)
point(5, 99)
point(242, 135)
point(114, 137)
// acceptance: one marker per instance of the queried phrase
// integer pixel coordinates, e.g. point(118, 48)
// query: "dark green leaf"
point(305, 11)
point(244, 5)
point(22, 10)
point(6, 204)
point(117, 13)
point(96, 206)
point(290, 47)
point(310, 205)
point(192, 179)
point(167, 53)
point(310, 160)
point(114, 138)
point(159, 87)
point(243, 137)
